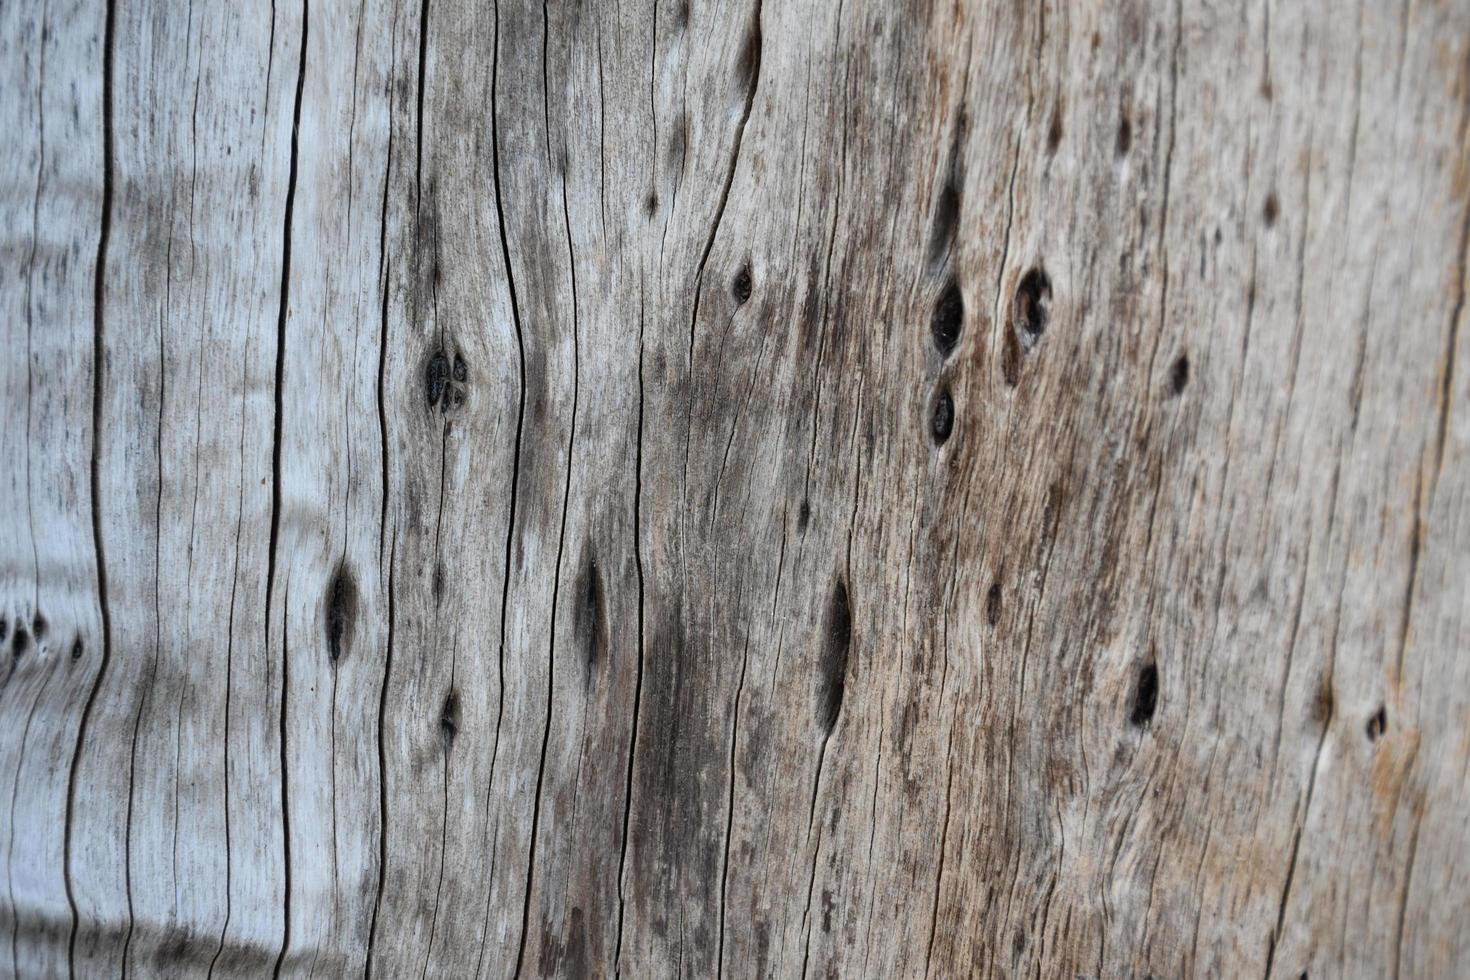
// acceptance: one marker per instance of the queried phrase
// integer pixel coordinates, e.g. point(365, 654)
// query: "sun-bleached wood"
point(686, 489)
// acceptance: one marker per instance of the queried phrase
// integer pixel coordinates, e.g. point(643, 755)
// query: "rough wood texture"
point(671, 489)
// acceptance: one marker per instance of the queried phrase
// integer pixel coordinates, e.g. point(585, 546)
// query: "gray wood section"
point(767, 489)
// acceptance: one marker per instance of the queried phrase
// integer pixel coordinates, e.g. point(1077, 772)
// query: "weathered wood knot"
point(445, 381)
point(741, 287)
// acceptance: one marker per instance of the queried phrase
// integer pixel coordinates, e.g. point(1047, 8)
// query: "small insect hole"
point(1054, 131)
point(1031, 310)
point(1179, 374)
point(449, 718)
point(1145, 696)
point(1378, 723)
point(740, 288)
point(1124, 140)
point(948, 319)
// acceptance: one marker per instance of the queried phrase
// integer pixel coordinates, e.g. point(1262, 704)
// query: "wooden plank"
point(686, 489)
point(49, 620)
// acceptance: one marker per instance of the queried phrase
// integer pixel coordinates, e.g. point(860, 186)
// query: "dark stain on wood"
point(1123, 140)
point(946, 220)
point(588, 618)
point(1179, 374)
point(1145, 696)
point(1054, 130)
point(341, 612)
point(837, 642)
point(947, 321)
point(449, 718)
point(949, 202)
point(436, 378)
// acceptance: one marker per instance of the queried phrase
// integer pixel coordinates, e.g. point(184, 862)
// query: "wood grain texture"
point(767, 489)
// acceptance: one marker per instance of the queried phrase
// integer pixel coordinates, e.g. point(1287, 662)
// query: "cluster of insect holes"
point(1030, 313)
point(20, 639)
point(446, 381)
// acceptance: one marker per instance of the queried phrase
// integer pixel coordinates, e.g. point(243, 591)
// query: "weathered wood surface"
point(671, 489)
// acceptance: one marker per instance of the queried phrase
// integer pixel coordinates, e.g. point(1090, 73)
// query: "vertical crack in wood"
point(948, 785)
point(730, 807)
point(382, 767)
point(385, 272)
point(751, 64)
point(520, 413)
point(638, 681)
point(555, 585)
point(419, 119)
point(229, 697)
point(99, 294)
point(449, 713)
point(276, 483)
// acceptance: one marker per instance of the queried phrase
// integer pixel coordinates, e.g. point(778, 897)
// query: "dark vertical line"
point(229, 697)
point(556, 580)
point(515, 478)
point(545, 101)
point(146, 696)
point(382, 770)
point(709, 243)
point(384, 274)
point(98, 350)
point(638, 683)
point(276, 480)
point(423, 60)
point(730, 799)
